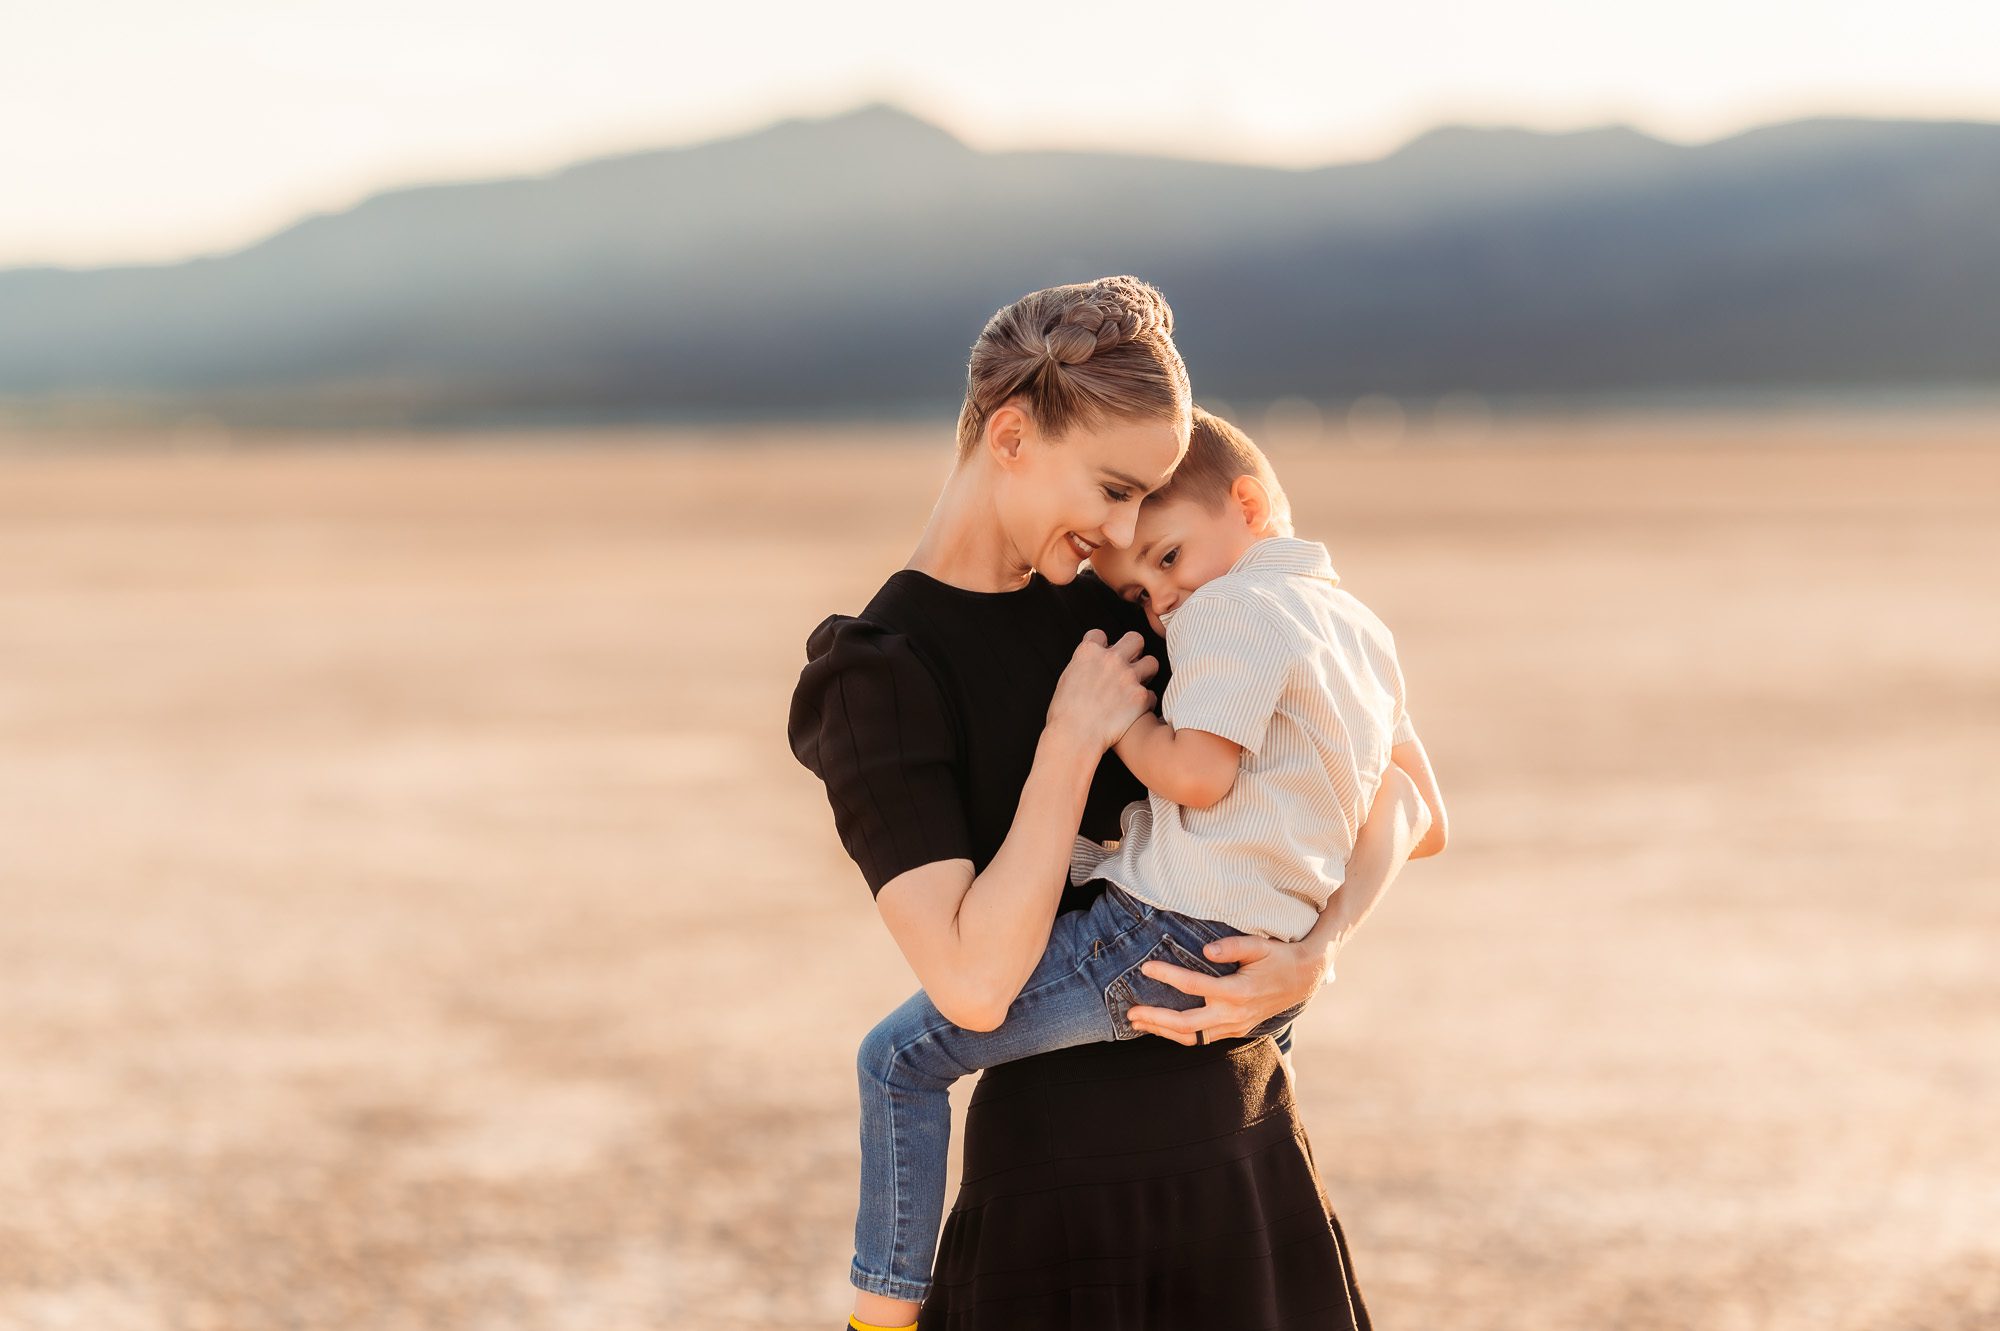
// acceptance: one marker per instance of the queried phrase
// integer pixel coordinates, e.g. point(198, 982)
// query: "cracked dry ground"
point(414, 919)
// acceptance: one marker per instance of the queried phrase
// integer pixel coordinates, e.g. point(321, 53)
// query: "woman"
point(961, 724)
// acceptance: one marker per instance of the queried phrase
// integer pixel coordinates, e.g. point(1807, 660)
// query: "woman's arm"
point(1273, 976)
point(1410, 756)
point(973, 940)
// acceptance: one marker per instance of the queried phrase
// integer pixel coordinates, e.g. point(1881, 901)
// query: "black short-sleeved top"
point(922, 715)
point(1135, 1186)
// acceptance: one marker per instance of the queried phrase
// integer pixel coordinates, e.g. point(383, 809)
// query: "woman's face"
point(1064, 498)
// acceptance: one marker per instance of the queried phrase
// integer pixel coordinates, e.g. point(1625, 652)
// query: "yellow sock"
point(860, 1325)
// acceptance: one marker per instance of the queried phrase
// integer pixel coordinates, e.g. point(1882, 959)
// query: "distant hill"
point(849, 262)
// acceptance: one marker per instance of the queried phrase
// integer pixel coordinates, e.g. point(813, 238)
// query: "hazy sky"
point(136, 130)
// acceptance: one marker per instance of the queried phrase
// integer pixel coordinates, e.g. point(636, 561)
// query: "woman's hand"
point(1103, 689)
point(1271, 977)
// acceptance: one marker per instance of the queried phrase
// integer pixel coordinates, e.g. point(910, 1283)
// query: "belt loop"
point(1126, 903)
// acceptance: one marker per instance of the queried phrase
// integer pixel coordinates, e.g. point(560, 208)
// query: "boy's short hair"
point(1217, 454)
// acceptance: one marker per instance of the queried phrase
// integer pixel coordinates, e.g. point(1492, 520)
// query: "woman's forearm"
point(1411, 757)
point(1397, 822)
point(1003, 922)
point(1273, 976)
point(974, 939)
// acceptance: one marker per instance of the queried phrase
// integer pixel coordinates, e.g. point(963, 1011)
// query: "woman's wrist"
point(1323, 940)
point(1070, 747)
point(1314, 954)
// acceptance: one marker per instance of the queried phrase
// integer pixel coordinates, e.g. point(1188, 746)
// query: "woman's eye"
point(1115, 495)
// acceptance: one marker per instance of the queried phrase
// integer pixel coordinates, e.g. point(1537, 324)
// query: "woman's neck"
point(963, 543)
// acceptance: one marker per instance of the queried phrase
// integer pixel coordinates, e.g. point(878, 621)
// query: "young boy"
point(1285, 707)
point(1284, 710)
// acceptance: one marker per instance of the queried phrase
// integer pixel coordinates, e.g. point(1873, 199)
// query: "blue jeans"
point(1086, 982)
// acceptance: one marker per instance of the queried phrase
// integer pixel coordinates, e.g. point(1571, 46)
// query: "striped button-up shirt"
point(1273, 656)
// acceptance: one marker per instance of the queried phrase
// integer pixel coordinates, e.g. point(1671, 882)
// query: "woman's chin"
point(1061, 567)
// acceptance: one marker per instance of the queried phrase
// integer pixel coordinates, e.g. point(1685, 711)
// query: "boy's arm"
point(1189, 767)
point(1411, 758)
point(1232, 656)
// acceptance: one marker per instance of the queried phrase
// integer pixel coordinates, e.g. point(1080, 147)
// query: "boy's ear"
point(1252, 500)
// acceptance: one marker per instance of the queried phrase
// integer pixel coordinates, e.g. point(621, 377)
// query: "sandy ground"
point(412, 917)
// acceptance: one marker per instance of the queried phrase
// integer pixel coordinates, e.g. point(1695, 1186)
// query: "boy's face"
point(1176, 547)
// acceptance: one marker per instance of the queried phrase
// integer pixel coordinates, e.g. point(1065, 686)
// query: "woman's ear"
point(1253, 501)
point(1007, 433)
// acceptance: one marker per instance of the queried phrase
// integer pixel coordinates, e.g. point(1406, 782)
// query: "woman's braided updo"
point(1078, 355)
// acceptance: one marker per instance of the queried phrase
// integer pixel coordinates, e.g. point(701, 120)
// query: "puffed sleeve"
point(869, 720)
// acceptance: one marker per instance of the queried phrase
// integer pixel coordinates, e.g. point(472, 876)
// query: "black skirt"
point(1141, 1186)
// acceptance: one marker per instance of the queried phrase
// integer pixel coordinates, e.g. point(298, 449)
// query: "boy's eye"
point(1167, 559)
point(1116, 495)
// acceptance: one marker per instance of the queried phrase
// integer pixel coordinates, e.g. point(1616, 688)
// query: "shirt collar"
point(1287, 554)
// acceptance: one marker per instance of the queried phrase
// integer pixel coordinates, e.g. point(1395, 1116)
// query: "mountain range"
point(847, 263)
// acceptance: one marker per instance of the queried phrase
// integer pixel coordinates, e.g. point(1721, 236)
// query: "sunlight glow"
point(147, 132)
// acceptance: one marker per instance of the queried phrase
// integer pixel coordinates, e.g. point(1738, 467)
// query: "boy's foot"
point(879, 1312)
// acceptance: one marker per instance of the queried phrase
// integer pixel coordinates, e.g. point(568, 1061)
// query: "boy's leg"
point(906, 1066)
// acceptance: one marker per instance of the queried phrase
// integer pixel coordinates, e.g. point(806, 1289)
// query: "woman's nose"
point(1119, 526)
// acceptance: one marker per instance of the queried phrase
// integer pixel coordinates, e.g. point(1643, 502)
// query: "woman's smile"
point(1081, 546)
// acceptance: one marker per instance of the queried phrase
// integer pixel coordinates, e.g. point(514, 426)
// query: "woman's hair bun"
point(1076, 354)
point(1113, 311)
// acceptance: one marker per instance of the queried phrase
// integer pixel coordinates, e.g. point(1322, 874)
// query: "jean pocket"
point(1208, 931)
point(1134, 988)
